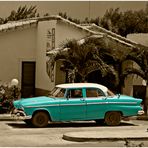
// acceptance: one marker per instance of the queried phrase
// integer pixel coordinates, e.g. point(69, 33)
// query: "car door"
point(96, 103)
point(73, 107)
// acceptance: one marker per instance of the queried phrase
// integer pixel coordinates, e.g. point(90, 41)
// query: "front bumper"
point(140, 112)
point(19, 115)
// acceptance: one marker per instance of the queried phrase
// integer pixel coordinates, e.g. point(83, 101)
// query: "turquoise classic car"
point(77, 101)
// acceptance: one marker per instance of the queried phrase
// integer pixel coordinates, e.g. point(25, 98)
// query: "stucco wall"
point(63, 31)
point(42, 79)
point(141, 38)
point(16, 46)
point(29, 43)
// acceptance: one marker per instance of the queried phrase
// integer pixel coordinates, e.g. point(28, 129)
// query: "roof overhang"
point(16, 24)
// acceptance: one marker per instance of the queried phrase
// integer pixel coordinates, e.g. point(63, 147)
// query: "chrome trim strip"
point(97, 103)
point(112, 103)
point(42, 105)
point(73, 104)
point(56, 105)
point(85, 103)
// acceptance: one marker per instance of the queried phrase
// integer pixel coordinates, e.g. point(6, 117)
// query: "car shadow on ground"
point(68, 125)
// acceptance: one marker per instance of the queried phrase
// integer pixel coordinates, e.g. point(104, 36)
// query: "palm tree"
point(22, 13)
point(83, 57)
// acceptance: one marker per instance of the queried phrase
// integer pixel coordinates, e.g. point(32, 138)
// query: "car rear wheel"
point(113, 118)
point(40, 119)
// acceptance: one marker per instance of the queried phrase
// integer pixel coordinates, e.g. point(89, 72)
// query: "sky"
point(74, 9)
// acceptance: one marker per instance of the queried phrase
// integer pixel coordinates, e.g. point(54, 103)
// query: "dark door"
point(28, 79)
point(139, 91)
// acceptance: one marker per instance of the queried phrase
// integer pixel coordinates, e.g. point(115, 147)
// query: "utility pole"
point(89, 12)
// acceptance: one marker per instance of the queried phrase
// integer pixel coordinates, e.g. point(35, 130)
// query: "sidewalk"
point(108, 134)
point(6, 117)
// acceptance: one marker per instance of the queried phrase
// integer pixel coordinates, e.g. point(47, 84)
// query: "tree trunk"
point(83, 79)
point(119, 73)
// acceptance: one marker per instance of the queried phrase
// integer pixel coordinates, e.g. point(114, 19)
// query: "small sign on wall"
point(52, 74)
point(50, 44)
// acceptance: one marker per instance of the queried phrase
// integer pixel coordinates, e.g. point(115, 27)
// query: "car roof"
point(83, 85)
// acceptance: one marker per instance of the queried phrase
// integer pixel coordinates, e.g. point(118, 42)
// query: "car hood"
point(32, 101)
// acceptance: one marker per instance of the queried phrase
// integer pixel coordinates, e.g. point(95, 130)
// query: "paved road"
point(17, 133)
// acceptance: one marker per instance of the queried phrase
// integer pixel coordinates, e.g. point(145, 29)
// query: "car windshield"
point(57, 92)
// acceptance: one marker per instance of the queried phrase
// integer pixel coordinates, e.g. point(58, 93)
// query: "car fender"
point(42, 110)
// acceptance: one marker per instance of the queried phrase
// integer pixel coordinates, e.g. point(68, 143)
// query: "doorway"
point(139, 91)
point(28, 79)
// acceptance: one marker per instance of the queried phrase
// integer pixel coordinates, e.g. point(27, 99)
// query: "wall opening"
point(28, 79)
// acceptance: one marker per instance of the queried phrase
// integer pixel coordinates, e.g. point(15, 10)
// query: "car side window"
point(74, 93)
point(94, 92)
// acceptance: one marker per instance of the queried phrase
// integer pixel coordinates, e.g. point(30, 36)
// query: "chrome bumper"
point(19, 115)
point(140, 112)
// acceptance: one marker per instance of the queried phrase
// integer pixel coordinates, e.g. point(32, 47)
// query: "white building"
point(23, 47)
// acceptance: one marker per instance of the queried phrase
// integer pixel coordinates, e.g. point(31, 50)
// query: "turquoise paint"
point(72, 109)
point(66, 109)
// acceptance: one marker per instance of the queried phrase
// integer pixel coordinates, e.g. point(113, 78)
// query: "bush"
point(8, 94)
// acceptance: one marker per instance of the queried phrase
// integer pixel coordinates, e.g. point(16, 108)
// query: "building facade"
point(24, 45)
point(23, 52)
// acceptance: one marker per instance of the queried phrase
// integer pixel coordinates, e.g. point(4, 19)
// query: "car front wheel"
point(113, 118)
point(40, 119)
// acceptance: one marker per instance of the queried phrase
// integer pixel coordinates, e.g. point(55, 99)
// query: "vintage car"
point(77, 101)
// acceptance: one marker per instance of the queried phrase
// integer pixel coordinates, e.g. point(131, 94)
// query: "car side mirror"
point(119, 96)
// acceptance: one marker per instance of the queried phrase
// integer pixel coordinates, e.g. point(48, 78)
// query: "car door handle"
point(82, 99)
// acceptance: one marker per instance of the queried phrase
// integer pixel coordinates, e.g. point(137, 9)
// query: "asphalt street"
point(18, 134)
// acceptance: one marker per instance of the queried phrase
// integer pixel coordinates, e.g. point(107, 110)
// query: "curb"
point(139, 118)
point(6, 117)
point(87, 139)
point(142, 118)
